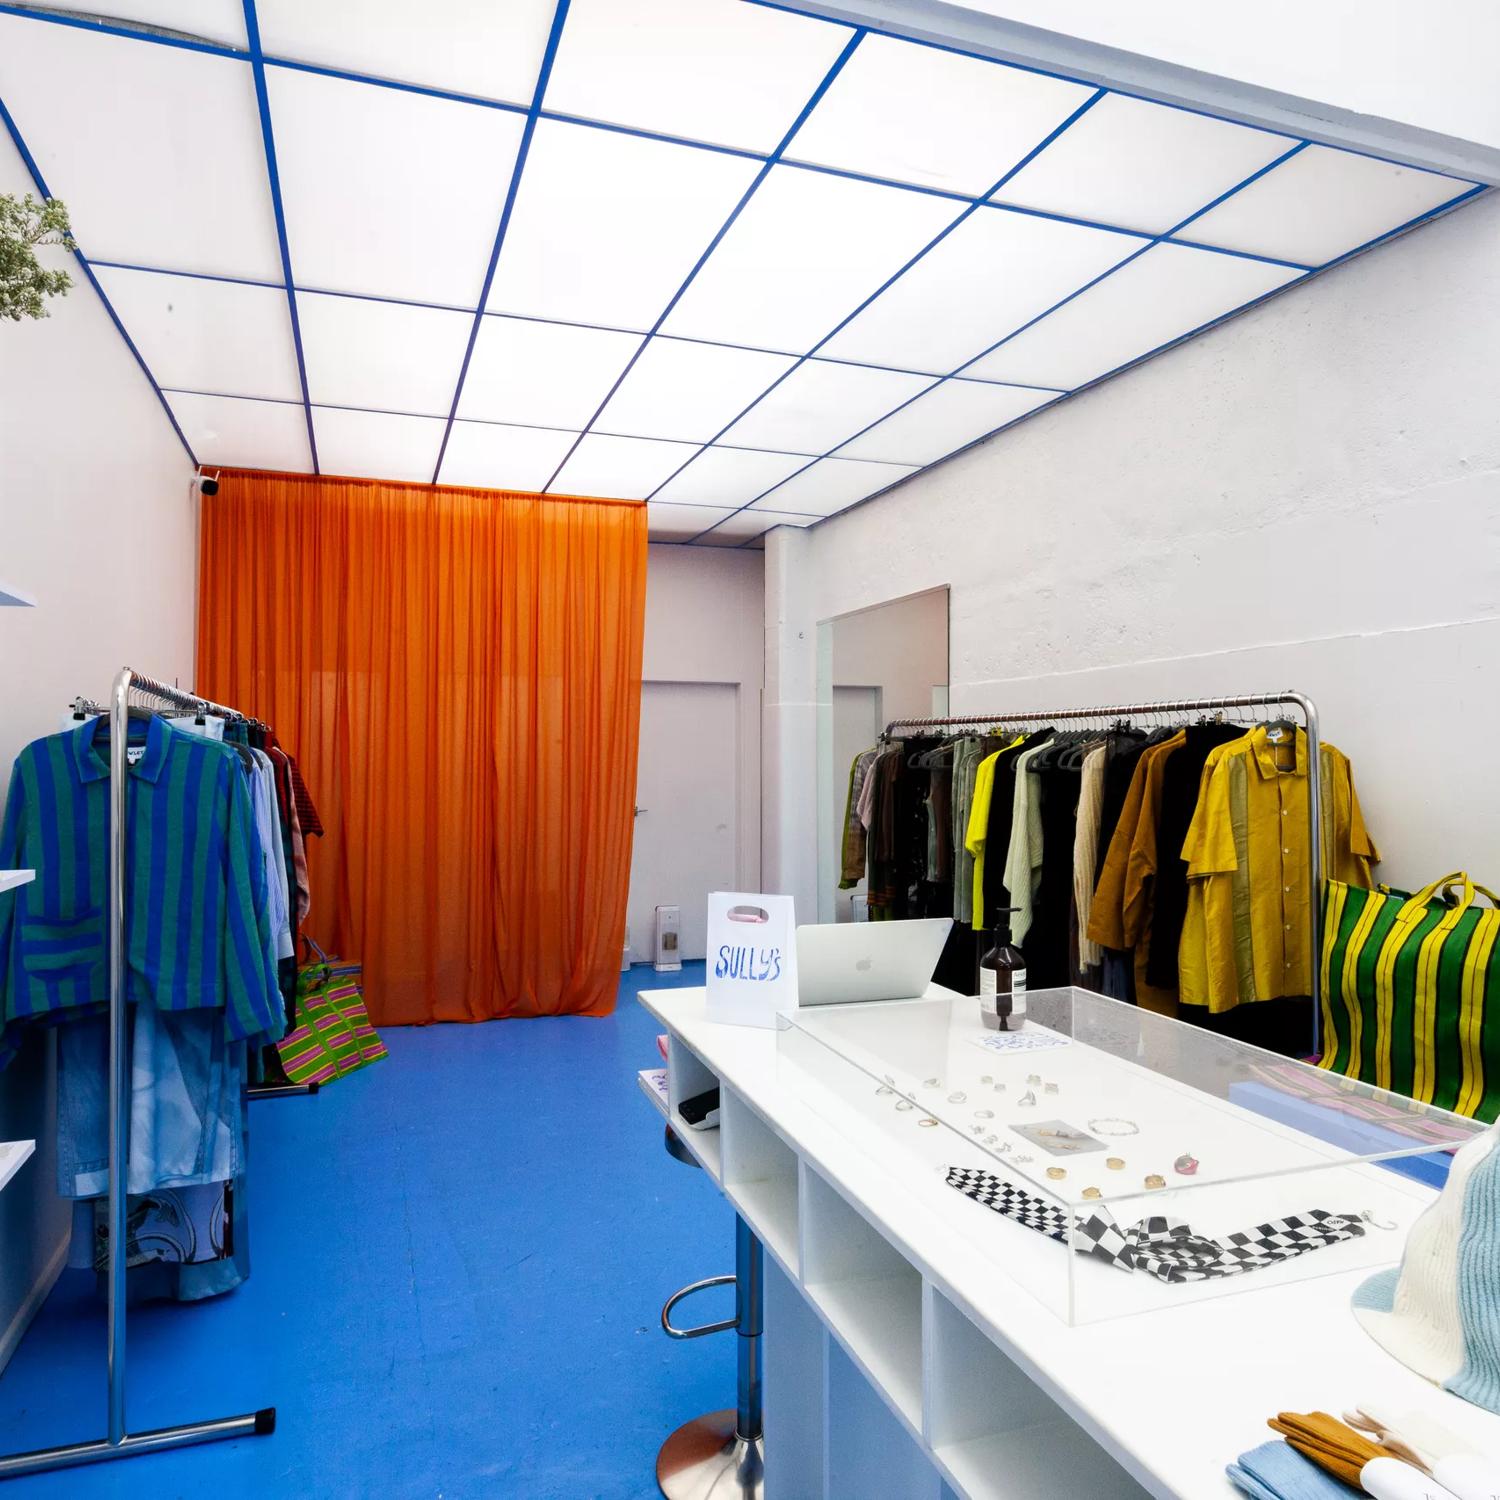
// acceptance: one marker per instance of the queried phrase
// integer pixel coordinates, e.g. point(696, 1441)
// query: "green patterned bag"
point(333, 1036)
point(1406, 984)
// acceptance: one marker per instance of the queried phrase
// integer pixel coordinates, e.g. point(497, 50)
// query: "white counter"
point(997, 1394)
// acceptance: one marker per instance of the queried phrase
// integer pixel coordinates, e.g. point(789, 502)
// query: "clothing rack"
point(1168, 706)
point(118, 1443)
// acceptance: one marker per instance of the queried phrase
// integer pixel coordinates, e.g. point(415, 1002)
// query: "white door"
point(856, 725)
point(687, 809)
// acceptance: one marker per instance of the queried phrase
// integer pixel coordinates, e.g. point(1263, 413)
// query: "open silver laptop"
point(846, 961)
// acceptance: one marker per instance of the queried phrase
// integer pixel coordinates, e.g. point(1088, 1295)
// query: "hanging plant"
point(24, 281)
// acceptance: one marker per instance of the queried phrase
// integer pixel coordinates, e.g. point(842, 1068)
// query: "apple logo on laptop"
point(864, 965)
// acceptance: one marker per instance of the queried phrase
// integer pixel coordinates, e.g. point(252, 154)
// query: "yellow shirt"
point(1245, 934)
point(977, 835)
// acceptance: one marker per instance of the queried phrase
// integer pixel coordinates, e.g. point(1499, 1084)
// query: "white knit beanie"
point(1416, 1312)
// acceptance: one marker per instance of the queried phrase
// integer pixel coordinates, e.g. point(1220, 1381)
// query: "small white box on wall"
point(668, 939)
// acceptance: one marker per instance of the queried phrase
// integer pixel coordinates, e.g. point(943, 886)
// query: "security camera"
point(208, 485)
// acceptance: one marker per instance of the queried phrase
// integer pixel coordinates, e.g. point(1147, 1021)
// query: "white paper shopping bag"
point(752, 958)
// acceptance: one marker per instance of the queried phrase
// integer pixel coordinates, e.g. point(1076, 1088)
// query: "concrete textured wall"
point(1307, 497)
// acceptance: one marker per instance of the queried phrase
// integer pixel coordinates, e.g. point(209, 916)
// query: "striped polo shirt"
point(196, 909)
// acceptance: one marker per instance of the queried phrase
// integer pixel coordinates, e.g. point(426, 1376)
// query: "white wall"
point(1307, 497)
point(901, 648)
point(703, 624)
point(96, 523)
point(1410, 80)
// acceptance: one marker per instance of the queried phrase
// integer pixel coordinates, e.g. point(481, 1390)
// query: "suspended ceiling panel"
point(749, 265)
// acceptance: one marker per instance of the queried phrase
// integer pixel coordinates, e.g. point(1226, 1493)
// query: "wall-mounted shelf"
point(10, 879)
point(9, 595)
point(12, 1155)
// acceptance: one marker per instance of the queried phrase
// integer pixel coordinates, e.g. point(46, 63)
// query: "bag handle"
point(1416, 906)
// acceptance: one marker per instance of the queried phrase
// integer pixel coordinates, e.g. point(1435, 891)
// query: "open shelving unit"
point(860, 1340)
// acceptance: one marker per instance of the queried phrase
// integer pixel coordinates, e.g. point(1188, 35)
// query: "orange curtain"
point(458, 673)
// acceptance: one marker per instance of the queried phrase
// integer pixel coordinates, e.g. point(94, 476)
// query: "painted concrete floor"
point(458, 1259)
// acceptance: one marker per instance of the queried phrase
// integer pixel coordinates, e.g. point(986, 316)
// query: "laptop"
point(842, 962)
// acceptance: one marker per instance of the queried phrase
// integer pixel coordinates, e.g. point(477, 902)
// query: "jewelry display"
point(987, 1078)
point(999, 1088)
point(976, 1130)
point(1033, 1078)
point(932, 1083)
point(1186, 1164)
point(958, 1098)
point(1022, 1161)
point(1057, 1173)
point(1049, 1088)
point(1027, 1099)
point(1115, 1163)
point(884, 1090)
point(1110, 1125)
point(927, 1120)
point(903, 1104)
point(984, 1114)
point(1368, 1215)
point(990, 1140)
point(1156, 1180)
point(1092, 1192)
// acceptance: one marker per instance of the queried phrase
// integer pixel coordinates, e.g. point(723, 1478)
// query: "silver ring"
point(1368, 1215)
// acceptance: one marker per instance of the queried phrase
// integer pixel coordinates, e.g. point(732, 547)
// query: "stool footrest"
point(673, 1332)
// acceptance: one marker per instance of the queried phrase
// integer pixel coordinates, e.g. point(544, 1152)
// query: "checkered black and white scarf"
point(1161, 1247)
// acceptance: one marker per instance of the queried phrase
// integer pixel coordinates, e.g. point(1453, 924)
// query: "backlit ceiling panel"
point(748, 265)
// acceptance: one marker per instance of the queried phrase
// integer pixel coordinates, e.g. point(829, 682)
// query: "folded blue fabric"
point(1245, 1481)
point(1276, 1471)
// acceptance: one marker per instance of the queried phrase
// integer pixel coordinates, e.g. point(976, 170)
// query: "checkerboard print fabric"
point(1162, 1247)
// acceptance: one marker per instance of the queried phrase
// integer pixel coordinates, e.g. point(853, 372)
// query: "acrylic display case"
point(1144, 1161)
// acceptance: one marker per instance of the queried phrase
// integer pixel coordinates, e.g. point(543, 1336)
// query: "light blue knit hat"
point(1439, 1312)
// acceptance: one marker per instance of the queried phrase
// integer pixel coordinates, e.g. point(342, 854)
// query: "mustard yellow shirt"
point(977, 835)
point(1245, 934)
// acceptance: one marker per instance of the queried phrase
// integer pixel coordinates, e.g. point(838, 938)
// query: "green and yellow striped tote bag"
point(1406, 983)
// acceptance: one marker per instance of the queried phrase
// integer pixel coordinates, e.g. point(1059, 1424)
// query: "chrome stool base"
point(705, 1460)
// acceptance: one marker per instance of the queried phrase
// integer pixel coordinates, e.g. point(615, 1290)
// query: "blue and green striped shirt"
point(196, 913)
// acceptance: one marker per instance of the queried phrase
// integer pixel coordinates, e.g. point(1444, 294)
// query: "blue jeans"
point(186, 1102)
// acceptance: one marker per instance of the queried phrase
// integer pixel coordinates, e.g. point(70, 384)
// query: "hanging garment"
point(1178, 800)
point(1050, 943)
point(1123, 747)
point(1023, 861)
point(1086, 852)
point(976, 839)
point(964, 764)
point(197, 931)
point(852, 846)
point(187, 1084)
point(997, 842)
point(1245, 934)
point(1164, 1248)
point(1122, 913)
point(940, 823)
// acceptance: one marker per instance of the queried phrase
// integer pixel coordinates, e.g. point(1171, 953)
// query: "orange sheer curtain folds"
point(458, 673)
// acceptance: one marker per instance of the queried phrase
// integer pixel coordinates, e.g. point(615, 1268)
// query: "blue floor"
point(459, 1258)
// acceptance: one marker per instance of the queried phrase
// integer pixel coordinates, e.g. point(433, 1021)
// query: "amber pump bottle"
point(1002, 977)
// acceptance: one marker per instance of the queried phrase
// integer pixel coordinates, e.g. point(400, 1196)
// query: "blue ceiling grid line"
point(675, 338)
point(1124, 93)
point(833, 72)
point(901, 271)
point(1135, 254)
point(24, 151)
point(544, 73)
point(263, 104)
point(1182, 338)
point(218, 49)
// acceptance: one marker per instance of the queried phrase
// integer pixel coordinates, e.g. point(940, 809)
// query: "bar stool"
point(721, 1455)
